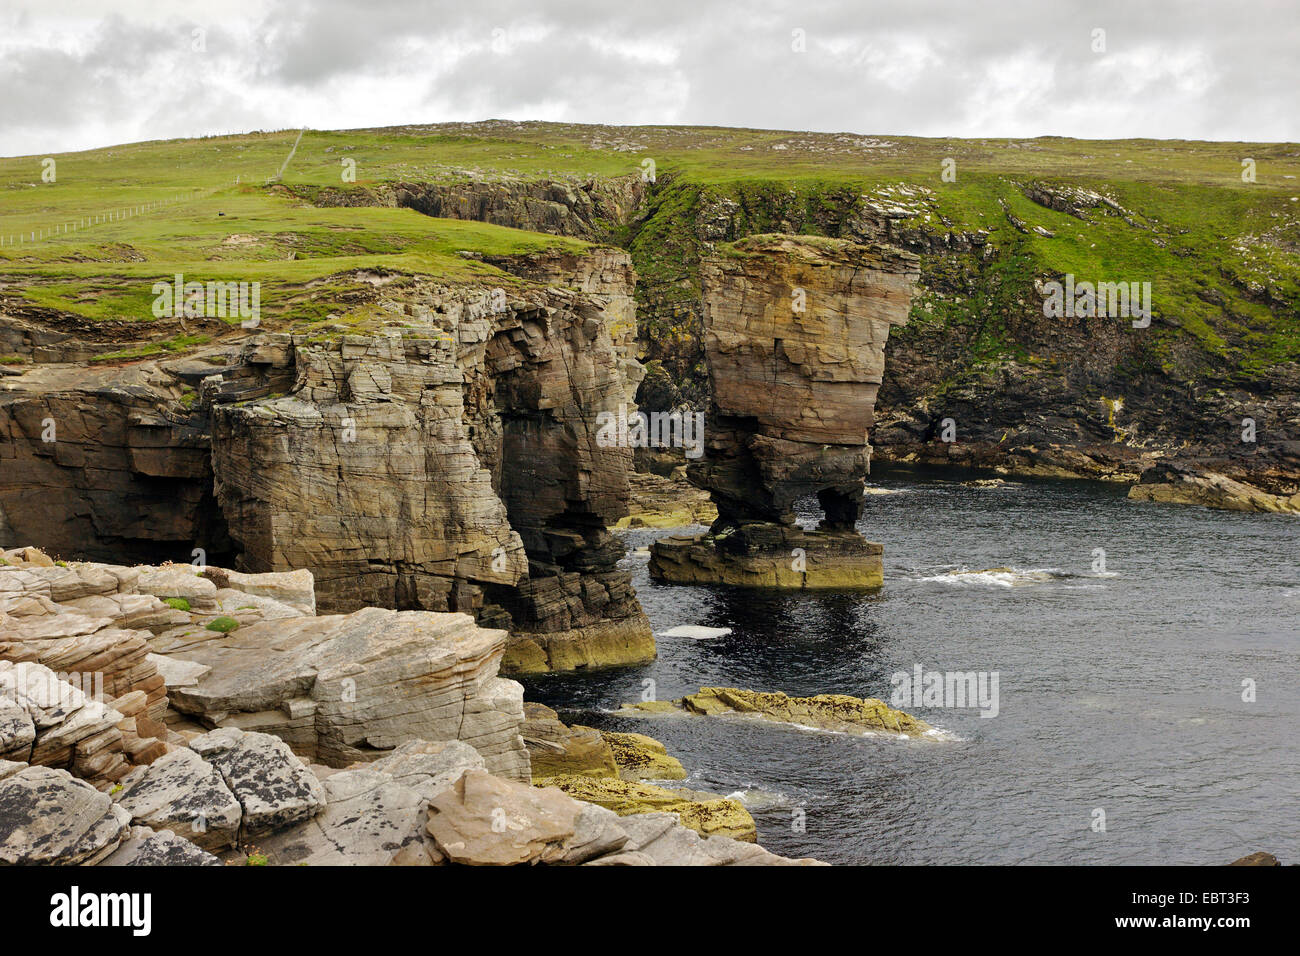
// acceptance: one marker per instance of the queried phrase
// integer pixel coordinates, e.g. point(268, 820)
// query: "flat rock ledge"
point(1169, 483)
point(840, 713)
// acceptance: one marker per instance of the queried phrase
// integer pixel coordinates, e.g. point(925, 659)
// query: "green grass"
point(1223, 256)
point(222, 625)
point(179, 604)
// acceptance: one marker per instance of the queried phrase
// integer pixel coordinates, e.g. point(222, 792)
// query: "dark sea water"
point(1119, 692)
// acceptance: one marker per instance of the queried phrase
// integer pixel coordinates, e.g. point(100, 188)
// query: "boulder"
point(343, 688)
point(178, 581)
point(485, 821)
point(272, 785)
point(49, 817)
point(180, 792)
point(144, 847)
point(295, 589)
point(370, 820)
point(177, 672)
point(429, 767)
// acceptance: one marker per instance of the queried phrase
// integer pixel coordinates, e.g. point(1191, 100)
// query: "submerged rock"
point(1257, 859)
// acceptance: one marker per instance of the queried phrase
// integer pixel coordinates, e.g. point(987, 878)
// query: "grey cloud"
point(1195, 70)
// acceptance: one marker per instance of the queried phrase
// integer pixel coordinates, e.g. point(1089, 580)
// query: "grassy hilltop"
point(1222, 254)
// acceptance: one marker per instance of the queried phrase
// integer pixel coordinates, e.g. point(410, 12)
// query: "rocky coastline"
point(143, 724)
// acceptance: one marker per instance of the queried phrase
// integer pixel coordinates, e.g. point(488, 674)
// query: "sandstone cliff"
point(437, 452)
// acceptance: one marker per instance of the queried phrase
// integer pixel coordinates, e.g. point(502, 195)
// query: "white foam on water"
point(758, 799)
point(696, 632)
point(996, 577)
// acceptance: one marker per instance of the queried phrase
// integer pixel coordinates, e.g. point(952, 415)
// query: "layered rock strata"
point(440, 455)
point(1172, 483)
point(795, 331)
point(348, 687)
point(450, 466)
point(236, 652)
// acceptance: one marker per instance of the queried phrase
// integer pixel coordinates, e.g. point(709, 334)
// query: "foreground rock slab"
point(144, 847)
point(47, 816)
point(184, 794)
point(485, 821)
point(349, 687)
point(272, 785)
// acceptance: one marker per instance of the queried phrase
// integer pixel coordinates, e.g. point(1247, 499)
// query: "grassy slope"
point(209, 228)
point(1204, 238)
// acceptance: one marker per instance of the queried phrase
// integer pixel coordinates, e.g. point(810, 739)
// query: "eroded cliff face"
point(107, 463)
point(450, 464)
point(1067, 397)
point(439, 455)
point(586, 210)
point(795, 332)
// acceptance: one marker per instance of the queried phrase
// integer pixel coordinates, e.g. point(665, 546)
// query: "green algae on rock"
point(705, 813)
point(640, 757)
point(556, 749)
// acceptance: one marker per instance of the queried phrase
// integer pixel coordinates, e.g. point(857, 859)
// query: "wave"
point(753, 798)
point(998, 577)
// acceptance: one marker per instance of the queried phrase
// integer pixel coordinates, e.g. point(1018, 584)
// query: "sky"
point(76, 75)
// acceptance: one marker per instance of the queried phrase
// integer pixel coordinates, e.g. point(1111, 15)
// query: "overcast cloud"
point(78, 75)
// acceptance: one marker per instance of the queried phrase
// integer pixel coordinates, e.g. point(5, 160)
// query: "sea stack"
point(795, 330)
